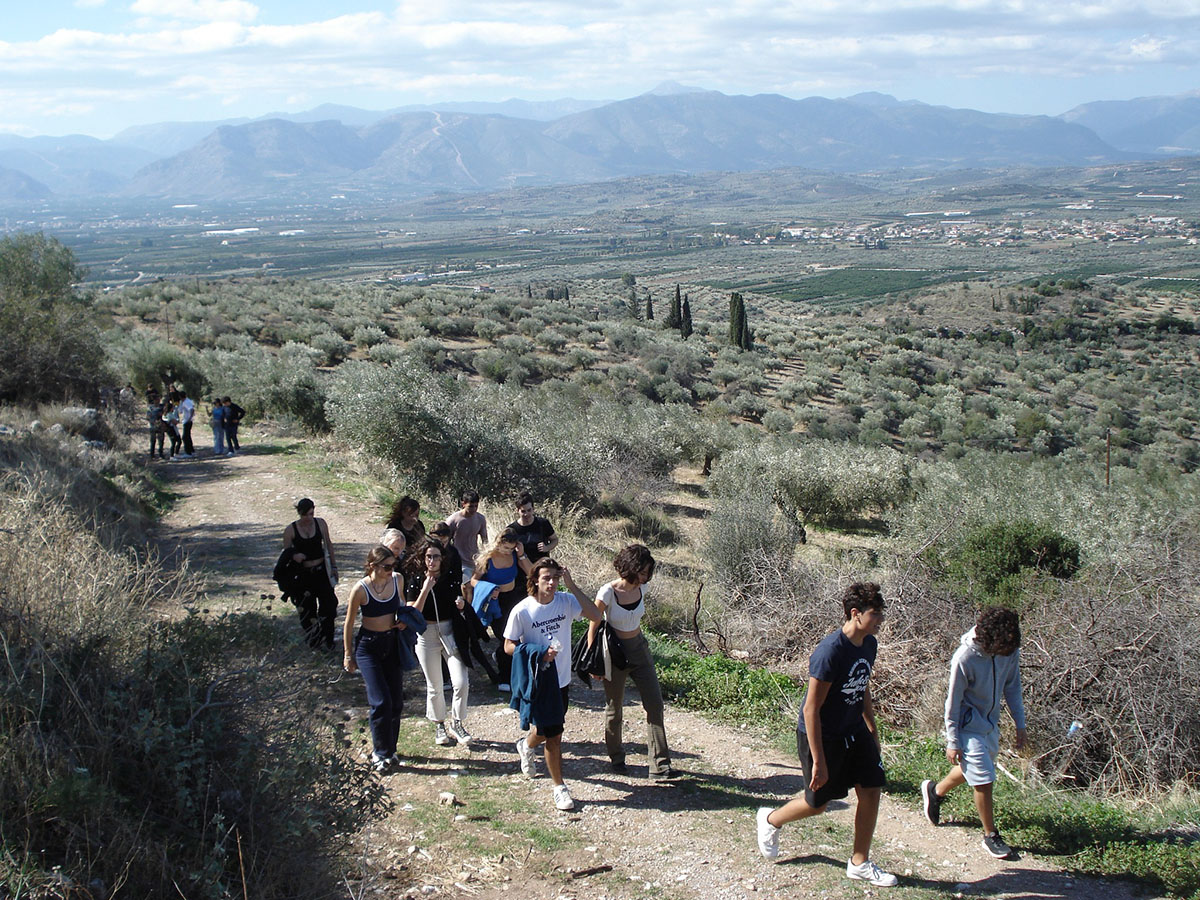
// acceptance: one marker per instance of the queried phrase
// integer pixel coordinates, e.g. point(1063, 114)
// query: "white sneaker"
point(562, 798)
point(528, 758)
point(379, 762)
point(768, 834)
point(868, 871)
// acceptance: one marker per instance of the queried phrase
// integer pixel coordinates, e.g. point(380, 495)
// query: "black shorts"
point(554, 730)
point(851, 761)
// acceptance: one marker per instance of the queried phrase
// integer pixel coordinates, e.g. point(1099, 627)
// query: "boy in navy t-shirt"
point(836, 735)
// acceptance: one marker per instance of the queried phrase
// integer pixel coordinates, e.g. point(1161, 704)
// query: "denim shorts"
point(977, 754)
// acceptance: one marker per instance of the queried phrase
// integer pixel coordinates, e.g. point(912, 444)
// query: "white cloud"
point(197, 10)
point(199, 57)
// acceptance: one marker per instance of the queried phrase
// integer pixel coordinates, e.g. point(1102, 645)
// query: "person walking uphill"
point(381, 650)
point(985, 669)
point(623, 603)
point(836, 735)
point(308, 537)
point(537, 631)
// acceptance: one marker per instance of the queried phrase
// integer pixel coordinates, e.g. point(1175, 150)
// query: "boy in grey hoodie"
point(984, 670)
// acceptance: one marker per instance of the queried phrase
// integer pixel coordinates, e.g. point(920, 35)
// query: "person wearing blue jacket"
point(544, 618)
point(984, 671)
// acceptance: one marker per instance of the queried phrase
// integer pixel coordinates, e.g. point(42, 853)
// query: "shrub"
point(49, 340)
point(993, 555)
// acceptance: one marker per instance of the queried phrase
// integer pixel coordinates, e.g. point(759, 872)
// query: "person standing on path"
point(467, 528)
point(985, 670)
point(406, 517)
point(836, 735)
point(217, 414)
point(233, 418)
point(154, 420)
point(376, 651)
point(309, 539)
point(187, 413)
point(542, 623)
point(535, 532)
point(445, 641)
point(504, 564)
point(623, 603)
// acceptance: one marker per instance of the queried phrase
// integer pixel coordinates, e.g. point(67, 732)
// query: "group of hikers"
point(170, 416)
point(426, 599)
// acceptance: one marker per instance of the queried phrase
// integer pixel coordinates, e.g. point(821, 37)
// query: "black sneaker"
point(933, 803)
point(994, 844)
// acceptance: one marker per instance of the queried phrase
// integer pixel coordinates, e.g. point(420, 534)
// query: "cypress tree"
point(685, 320)
point(635, 310)
point(649, 307)
point(737, 318)
point(675, 316)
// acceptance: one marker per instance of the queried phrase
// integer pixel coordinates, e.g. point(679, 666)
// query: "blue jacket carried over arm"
point(535, 691)
point(407, 644)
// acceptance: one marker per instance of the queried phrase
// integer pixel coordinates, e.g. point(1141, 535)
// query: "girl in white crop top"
point(623, 603)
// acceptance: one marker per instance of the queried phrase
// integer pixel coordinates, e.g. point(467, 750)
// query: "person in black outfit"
point(406, 517)
point(233, 418)
point(535, 533)
point(308, 536)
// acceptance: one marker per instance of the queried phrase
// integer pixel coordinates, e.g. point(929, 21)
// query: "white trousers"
point(436, 644)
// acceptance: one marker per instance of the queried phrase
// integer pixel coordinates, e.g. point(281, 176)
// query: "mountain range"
point(673, 129)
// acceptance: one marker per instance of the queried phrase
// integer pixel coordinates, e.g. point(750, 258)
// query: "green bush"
point(49, 340)
point(993, 556)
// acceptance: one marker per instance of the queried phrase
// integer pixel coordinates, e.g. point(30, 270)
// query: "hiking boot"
point(995, 845)
point(562, 798)
point(618, 766)
point(868, 871)
point(768, 834)
point(458, 731)
point(933, 803)
point(528, 758)
point(667, 774)
point(440, 737)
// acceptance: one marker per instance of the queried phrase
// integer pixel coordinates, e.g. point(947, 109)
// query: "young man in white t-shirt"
point(545, 617)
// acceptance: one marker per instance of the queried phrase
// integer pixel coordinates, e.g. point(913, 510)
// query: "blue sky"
point(97, 66)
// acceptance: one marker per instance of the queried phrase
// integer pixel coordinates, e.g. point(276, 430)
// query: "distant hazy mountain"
point(71, 164)
point(168, 138)
point(1144, 125)
point(709, 130)
point(260, 157)
point(671, 129)
point(17, 186)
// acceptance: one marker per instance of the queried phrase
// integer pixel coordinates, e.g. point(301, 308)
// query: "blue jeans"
point(378, 659)
point(218, 439)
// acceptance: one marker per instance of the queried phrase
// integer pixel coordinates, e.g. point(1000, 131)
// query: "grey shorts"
point(978, 755)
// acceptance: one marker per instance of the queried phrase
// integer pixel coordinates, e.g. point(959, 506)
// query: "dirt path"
point(627, 838)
